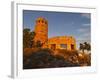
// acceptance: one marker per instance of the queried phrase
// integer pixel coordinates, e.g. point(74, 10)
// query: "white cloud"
point(84, 34)
point(86, 15)
point(72, 23)
point(87, 34)
point(86, 24)
point(82, 30)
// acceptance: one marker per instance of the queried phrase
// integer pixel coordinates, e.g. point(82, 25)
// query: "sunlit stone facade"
point(56, 42)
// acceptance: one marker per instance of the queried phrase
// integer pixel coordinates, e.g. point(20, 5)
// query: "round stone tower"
point(41, 30)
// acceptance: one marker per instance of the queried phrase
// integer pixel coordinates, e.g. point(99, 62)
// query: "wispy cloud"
point(86, 24)
point(72, 23)
point(83, 30)
point(87, 34)
point(86, 15)
point(84, 34)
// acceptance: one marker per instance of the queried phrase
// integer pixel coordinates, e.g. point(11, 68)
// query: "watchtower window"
point(53, 46)
point(38, 20)
point(45, 22)
point(42, 21)
point(72, 47)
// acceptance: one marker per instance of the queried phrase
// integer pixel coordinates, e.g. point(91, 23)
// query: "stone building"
point(57, 42)
point(62, 42)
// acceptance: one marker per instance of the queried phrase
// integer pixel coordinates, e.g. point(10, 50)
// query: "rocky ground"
point(45, 58)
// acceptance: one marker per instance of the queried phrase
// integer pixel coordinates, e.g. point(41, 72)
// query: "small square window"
point(63, 46)
point(42, 21)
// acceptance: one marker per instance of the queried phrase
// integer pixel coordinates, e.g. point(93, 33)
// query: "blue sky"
point(62, 23)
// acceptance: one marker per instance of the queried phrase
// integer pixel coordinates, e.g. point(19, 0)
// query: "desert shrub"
point(44, 59)
point(85, 60)
point(38, 58)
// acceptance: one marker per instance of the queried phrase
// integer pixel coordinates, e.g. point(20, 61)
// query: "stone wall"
point(62, 42)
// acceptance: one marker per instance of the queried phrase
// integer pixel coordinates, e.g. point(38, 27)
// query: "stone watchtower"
point(41, 30)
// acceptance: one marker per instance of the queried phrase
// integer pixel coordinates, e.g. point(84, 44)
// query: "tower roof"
point(41, 18)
